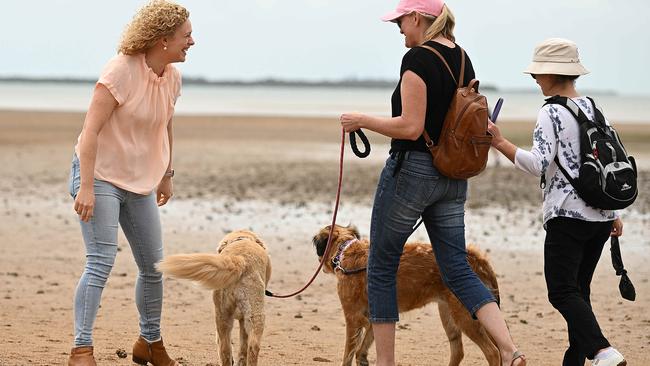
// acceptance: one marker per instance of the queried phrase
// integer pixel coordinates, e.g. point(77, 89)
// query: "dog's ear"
point(320, 242)
point(354, 231)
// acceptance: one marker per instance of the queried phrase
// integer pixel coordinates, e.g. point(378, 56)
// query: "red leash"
point(329, 240)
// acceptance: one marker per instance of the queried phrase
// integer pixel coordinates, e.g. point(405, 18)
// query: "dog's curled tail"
point(213, 271)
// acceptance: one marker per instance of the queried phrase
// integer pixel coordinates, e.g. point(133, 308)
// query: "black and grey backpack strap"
point(599, 116)
point(581, 117)
point(573, 107)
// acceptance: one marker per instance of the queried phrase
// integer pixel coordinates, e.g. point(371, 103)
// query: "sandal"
point(518, 355)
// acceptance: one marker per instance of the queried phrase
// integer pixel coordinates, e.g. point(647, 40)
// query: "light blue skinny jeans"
point(139, 218)
point(404, 194)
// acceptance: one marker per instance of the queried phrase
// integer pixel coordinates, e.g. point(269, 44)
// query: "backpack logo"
point(625, 187)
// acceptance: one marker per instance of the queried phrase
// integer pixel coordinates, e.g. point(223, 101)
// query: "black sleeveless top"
point(440, 88)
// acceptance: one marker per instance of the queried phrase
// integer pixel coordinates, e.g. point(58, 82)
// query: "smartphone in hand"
point(496, 110)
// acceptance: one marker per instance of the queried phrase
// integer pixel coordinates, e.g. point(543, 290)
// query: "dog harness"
point(338, 258)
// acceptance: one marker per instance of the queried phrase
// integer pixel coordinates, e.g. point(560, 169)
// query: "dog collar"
point(238, 239)
point(242, 238)
point(338, 258)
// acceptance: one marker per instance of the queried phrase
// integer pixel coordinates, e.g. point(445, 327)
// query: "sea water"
point(312, 101)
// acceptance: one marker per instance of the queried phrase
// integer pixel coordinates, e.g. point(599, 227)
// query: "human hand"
point(84, 203)
point(164, 191)
point(617, 228)
point(495, 132)
point(351, 121)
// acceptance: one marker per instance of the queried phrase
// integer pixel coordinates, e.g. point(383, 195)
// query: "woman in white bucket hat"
point(575, 232)
point(410, 187)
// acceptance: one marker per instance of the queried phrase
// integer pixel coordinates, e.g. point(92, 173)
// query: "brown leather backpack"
point(464, 143)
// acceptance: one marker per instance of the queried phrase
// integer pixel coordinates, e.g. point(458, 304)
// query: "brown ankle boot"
point(82, 356)
point(154, 353)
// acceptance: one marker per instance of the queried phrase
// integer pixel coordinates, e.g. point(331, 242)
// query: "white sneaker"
point(613, 359)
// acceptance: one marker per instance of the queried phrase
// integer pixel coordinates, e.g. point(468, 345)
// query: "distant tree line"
point(342, 83)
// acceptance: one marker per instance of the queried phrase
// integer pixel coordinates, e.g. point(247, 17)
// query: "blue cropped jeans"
point(139, 218)
point(419, 190)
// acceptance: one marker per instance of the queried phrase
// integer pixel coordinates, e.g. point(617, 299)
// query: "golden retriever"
point(238, 274)
point(418, 284)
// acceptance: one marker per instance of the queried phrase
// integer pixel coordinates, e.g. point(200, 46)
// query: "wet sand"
point(277, 176)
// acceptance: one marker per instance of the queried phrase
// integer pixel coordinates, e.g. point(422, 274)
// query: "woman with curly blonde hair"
point(122, 170)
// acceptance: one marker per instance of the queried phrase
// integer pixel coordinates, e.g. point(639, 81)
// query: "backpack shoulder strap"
point(462, 67)
point(598, 114)
point(571, 180)
point(579, 115)
point(570, 106)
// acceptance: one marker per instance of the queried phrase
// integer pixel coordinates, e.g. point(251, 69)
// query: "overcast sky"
point(333, 39)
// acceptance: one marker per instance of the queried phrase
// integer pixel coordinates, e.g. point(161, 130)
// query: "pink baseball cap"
point(430, 7)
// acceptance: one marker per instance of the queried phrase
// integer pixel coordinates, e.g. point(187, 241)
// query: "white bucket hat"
point(556, 56)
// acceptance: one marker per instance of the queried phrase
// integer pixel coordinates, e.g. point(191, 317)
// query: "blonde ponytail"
point(442, 25)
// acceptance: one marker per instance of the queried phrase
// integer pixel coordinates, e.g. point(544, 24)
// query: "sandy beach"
point(277, 176)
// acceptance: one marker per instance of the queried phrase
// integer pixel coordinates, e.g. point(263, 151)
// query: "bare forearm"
point(409, 125)
point(393, 127)
point(87, 157)
point(170, 133)
point(506, 147)
point(101, 107)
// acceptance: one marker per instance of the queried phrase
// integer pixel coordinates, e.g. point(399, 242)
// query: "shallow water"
point(295, 101)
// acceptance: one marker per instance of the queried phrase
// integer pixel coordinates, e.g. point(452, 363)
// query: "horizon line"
point(352, 82)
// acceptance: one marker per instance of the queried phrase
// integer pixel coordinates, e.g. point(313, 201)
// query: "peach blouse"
point(133, 146)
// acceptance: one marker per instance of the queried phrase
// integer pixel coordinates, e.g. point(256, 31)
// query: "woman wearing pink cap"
point(410, 187)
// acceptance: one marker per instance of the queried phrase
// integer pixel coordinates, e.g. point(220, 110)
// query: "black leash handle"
point(353, 144)
point(625, 286)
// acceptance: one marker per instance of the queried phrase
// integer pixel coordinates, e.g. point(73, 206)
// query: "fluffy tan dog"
point(418, 284)
point(238, 274)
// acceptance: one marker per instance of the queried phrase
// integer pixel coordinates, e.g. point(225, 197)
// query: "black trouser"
point(571, 252)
